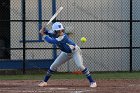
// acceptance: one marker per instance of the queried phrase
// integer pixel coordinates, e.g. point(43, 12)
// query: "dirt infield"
point(70, 86)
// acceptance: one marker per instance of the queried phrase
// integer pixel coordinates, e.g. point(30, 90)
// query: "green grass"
point(118, 75)
point(97, 75)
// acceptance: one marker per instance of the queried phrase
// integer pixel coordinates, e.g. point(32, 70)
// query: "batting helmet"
point(57, 26)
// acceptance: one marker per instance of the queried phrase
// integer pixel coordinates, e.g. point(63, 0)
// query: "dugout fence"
point(110, 26)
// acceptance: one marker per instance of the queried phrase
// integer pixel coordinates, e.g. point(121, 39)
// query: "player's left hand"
point(42, 31)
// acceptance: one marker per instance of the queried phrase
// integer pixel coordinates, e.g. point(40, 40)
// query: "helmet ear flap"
point(63, 31)
point(56, 32)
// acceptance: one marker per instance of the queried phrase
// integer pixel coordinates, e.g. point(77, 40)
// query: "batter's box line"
point(71, 90)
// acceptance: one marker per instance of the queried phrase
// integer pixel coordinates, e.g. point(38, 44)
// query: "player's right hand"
point(42, 31)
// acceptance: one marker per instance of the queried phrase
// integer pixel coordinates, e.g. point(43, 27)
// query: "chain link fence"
point(110, 26)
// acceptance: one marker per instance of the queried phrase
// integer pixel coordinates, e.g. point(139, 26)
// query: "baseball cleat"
point(93, 84)
point(42, 84)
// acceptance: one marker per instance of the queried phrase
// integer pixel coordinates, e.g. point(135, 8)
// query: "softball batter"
point(69, 50)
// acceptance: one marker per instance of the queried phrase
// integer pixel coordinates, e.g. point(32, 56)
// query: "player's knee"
point(53, 68)
point(80, 66)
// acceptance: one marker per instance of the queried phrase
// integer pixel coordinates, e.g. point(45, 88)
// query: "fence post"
point(40, 17)
point(131, 28)
point(23, 32)
point(53, 12)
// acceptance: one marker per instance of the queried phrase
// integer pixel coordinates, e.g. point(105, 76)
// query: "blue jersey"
point(63, 42)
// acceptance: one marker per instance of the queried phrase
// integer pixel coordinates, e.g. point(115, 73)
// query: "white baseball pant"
point(64, 57)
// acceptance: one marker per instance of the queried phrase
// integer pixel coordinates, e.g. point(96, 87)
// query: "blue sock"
point(90, 78)
point(87, 73)
point(48, 75)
